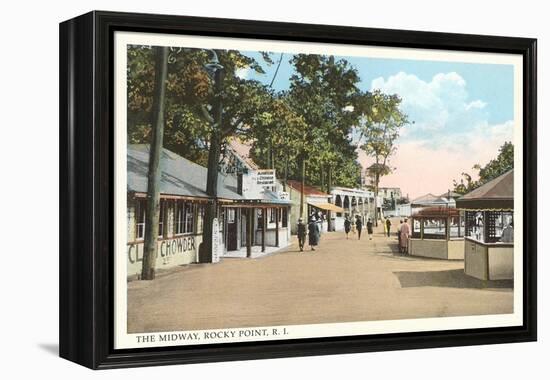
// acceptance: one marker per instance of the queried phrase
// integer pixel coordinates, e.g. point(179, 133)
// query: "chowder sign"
point(178, 250)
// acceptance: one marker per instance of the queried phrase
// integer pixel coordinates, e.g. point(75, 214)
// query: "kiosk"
point(489, 229)
point(437, 232)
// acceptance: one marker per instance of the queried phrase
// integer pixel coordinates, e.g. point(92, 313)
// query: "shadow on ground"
point(455, 278)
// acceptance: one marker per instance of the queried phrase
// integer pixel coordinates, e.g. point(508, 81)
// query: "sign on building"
point(284, 195)
point(216, 241)
point(265, 177)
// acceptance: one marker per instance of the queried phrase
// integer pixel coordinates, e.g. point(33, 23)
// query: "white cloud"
point(476, 104)
point(451, 133)
point(440, 104)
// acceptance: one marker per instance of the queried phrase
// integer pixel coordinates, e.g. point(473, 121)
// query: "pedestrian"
point(388, 226)
point(405, 232)
point(508, 233)
point(302, 232)
point(314, 235)
point(369, 228)
point(347, 226)
point(399, 233)
point(358, 226)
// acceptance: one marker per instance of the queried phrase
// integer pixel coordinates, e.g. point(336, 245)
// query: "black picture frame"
point(87, 187)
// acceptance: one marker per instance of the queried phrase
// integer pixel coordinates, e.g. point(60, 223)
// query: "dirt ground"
point(342, 281)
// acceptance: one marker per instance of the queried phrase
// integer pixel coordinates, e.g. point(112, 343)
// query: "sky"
point(462, 113)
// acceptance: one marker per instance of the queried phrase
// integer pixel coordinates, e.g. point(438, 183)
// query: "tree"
point(321, 88)
point(503, 163)
point(379, 127)
point(154, 172)
point(189, 94)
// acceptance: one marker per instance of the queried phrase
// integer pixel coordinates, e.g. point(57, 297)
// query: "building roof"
point(436, 212)
point(429, 199)
point(242, 150)
point(497, 194)
point(308, 190)
point(179, 175)
point(452, 194)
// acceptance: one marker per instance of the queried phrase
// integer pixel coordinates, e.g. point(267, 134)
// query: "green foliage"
point(189, 92)
point(320, 91)
point(494, 168)
point(312, 121)
point(381, 121)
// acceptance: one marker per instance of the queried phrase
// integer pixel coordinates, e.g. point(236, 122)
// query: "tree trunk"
point(286, 173)
point(302, 183)
point(376, 180)
point(329, 188)
point(154, 173)
point(205, 250)
point(268, 154)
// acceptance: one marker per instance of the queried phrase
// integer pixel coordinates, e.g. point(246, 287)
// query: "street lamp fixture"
point(214, 65)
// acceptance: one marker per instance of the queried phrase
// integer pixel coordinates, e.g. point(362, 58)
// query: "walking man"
point(347, 226)
point(302, 232)
point(369, 228)
point(358, 226)
point(388, 226)
point(314, 235)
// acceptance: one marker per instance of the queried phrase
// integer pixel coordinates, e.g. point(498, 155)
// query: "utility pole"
point(205, 249)
point(154, 174)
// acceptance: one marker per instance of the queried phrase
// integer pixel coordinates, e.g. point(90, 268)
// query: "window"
point(188, 218)
point(475, 225)
point(162, 213)
point(200, 218)
point(497, 222)
point(271, 213)
point(141, 208)
point(179, 216)
point(456, 227)
point(284, 217)
point(231, 215)
point(140, 219)
point(260, 219)
point(416, 233)
point(434, 228)
point(184, 217)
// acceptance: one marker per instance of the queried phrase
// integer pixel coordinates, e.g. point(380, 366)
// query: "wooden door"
point(232, 229)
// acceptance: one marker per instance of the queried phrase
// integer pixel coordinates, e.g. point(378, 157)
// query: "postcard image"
point(269, 190)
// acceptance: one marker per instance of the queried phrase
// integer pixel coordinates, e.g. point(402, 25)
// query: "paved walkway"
point(342, 281)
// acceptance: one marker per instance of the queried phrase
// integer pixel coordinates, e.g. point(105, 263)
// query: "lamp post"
point(215, 71)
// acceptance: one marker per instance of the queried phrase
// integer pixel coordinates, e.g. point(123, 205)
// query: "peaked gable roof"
point(308, 190)
point(495, 194)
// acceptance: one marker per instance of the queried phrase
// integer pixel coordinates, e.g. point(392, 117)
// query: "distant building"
point(430, 200)
point(315, 201)
point(390, 193)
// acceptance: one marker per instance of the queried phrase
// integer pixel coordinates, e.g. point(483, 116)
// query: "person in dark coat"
point(347, 226)
point(388, 226)
point(314, 234)
point(369, 228)
point(302, 232)
point(358, 226)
